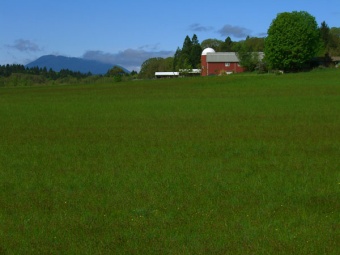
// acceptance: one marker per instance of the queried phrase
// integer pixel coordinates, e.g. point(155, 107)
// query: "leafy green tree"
point(152, 65)
point(249, 59)
point(334, 41)
point(293, 40)
point(116, 71)
point(149, 67)
point(212, 43)
point(325, 38)
point(166, 64)
point(255, 44)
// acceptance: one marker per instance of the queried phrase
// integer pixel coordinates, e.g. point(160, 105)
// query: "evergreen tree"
point(185, 56)
point(187, 45)
point(227, 45)
point(176, 59)
point(189, 57)
point(196, 51)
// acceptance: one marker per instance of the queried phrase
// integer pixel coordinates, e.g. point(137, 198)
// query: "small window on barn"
point(238, 64)
point(227, 64)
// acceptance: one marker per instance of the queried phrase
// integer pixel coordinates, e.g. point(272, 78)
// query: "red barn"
point(215, 63)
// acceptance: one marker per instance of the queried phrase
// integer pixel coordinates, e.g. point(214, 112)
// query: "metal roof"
point(222, 57)
point(226, 57)
point(166, 73)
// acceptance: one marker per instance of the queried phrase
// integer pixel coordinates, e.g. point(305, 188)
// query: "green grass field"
point(217, 165)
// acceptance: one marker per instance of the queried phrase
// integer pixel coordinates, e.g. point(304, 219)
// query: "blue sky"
point(129, 32)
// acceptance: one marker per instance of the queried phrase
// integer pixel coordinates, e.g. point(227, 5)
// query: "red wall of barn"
point(204, 65)
point(216, 68)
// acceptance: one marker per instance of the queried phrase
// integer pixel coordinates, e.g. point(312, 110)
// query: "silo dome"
point(208, 50)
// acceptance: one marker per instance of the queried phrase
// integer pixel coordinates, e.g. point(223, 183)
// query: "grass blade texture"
point(217, 165)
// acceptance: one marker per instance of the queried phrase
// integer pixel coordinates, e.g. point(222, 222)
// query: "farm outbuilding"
point(214, 63)
point(182, 72)
point(166, 74)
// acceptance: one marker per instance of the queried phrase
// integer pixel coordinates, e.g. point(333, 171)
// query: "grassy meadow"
point(240, 164)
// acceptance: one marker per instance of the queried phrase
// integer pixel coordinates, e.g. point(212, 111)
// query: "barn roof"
point(222, 57)
point(218, 57)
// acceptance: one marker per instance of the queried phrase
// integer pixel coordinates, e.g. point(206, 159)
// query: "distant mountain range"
point(73, 64)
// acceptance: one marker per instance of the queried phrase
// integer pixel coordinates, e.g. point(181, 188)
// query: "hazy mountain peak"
point(71, 63)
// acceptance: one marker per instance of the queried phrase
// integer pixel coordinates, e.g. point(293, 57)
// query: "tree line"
point(298, 47)
point(8, 70)
point(287, 49)
point(189, 56)
point(186, 58)
point(16, 74)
